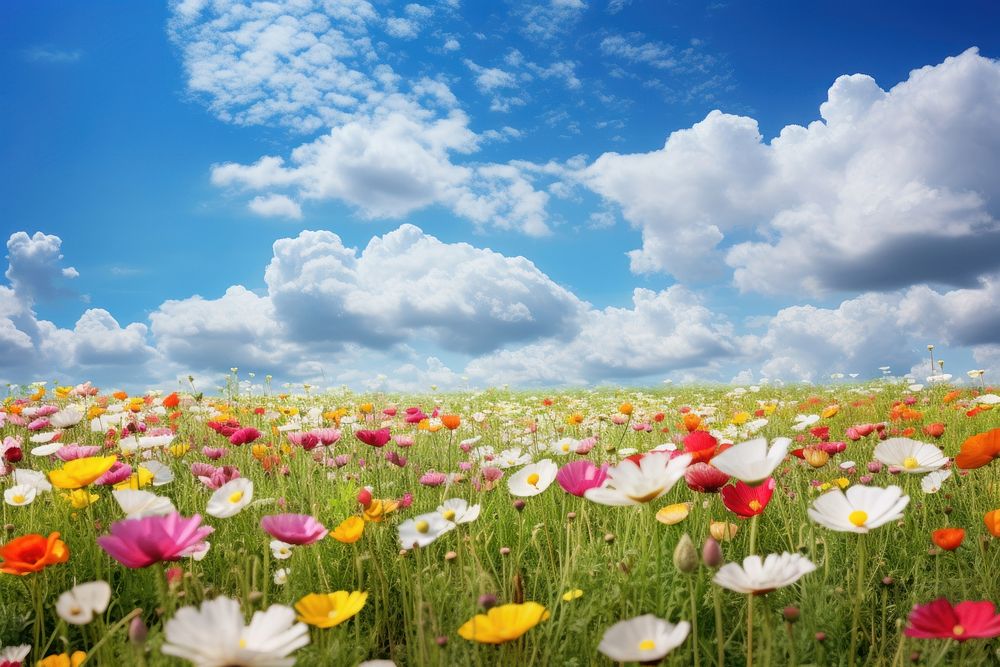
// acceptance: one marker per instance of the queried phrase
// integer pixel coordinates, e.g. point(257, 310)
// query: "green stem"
point(750, 629)
point(858, 594)
point(694, 621)
point(720, 639)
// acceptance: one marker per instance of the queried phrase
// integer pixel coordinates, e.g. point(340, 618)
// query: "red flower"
point(375, 438)
point(948, 539)
point(821, 432)
point(701, 445)
point(171, 401)
point(243, 436)
point(705, 478)
point(935, 430)
point(747, 501)
point(966, 620)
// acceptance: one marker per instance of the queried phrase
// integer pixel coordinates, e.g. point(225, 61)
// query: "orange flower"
point(120, 395)
point(979, 450)
point(691, 421)
point(830, 411)
point(935, 430)
point(992, 521)
point(574, 419)
point(349, 531)
point(171, 401)
point(951, 396)
point(948, 539)
point(625, 409)
point(451, 422)
point(32, 553)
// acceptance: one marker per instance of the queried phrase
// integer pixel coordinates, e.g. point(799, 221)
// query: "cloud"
point(548, 20)
point(636, 51)
point(889, 189)
point(275, 206)
point(34, 269)
point(51, 55)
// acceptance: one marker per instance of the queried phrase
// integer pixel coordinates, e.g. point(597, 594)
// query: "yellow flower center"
point(19, 499)
point(422, 526)
point(236, 497)
point(449, 515)
point(533, 479)
point(75, 611)
point(910, 463)
point(858, 517)
point(565, 447)
point(958, 631)
point(755, 505)
point(647, 645)
point(243, 643)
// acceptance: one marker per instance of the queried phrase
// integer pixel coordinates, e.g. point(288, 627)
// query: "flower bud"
point(711, 553)
point(137, 630)
point(685, 555)
point(791, 614)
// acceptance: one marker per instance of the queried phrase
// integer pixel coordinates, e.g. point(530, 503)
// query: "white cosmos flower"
point(802, 422)
point(912, 456)
point(230, 498)
point(752, 461)
point(457, 510)
point(281, 550)
point(162, 474)
point(137, 504)
point(32, 478)
point(533, 478)
point(20, 495)
point(81, 603)
point(987, 399)
point(860, 509)
point(281, 576)
point(215, 635)
point(629, 483)
point(422, 530)
point(511, 458)
point(145, 442)
point(71, 415)
point(14, 654)
point(932, 481)
point(757, 576)
point(564, 446)
point(643, 639)
point(47, 449)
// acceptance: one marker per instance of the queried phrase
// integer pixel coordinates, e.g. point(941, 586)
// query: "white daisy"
point(752, 461)
point(422, 530)
point(230, 498)
point(758, 577)
point(860, 509)
point(281, 550)
point(629, 483)
point(644, 639)
point(532, 479)
point(81, 603)
point(912, 456)
point(457, 510)
point(20, 495)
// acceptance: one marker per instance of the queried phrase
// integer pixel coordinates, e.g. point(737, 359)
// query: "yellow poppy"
point(349, 531)
point(672, 514)
point(503, 623)
point(78, 473)
point(325, 610)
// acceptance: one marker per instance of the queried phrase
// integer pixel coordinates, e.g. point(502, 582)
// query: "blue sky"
point(533, 129)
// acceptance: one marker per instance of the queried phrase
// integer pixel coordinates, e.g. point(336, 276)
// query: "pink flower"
point(341, 460)
point(244, 436)
point(300, 529)
point(406, 500)
point(118, 473)
point(304, 439)
point(492, 473)
point(705, 478)
point(375, 438)
point(433, 478)
point(964, 621)
point(394, 458)
point(214, 453)
point(327, 436)
point(414, 417)
point(389, 412)
point(403, 440)
point(74, 451)
point(153, 539)
point(46, 410)
point(584, 446)
point(38, 424)
point(576, 477)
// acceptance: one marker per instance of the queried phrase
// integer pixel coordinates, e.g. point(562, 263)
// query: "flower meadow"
point(842, 525)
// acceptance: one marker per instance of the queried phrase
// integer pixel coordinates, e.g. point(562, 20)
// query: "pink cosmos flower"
point(300, 529)
point(74, 451)
point(142, 542)
point(244, 436)
point(118, 473)
point(214, 453)
point(304, 439)
point(214, 477)
point(38, 424)
point(46, 410)
point(375, 438)
point(964, 621)
point(327, 436)
point(576, 477)
point(584, 446)
point(433, 478)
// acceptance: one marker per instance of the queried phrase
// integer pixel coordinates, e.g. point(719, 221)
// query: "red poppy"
point(451, 422)
point(966, 620)
point(705, 478)
point(935, 430)
point(948, 539)
point(979, 450)
point(747, 501)
point(700, 445)
point(32, 553)
point(171, 401)
point(375, 438)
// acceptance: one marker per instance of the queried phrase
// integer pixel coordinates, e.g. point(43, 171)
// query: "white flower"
point(162, 474)
point(912, 456)
point(511, 458)
point(802, 422)
point(281, 576)
point(71, 415)
point(987, 399)
point(48, 449)
point(564, 446)
point(81, 603)
point(32, 478)
point(751, 461)
point(458, 510)
point(422, 530)
point(20, 495)
point(200, 551)
point(230, 498)
point(215, 635)
point(860, 509)
point(532, 479)
point(137, 504)
point(644, 639)
point(932, 481)
point(145, 442)
point(281, 550)
point(629, 483)
point(14, 654)
point(756, 576)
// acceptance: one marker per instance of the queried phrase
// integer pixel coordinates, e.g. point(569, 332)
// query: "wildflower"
point(325, 610)
point(758, 577)
point(711, 553)
point(375, 438)
point(422, 530)
point(571, 595)
point(752, 461)
point(349, 530)
point(215, 634)
point(704, 477)
point(979, 450)
point(298, 529)
point(961, 622)
point(685, 555)
point(81, 603)
point(948, 539)
point(912, 456)
point(137, 504)
point(532, 479)
point(576, 477)
point(230, 498)
point(32, 553)
point(451, 422)
point(63, 660)
point(81, 498)
point(32, 478)
point(722, 530)
point(142, 542)
point(992, 521)
point(745, 500)
point(630, 483)
point(932, 481)
point(281, 550)
point(20, 495)
point(860, 509)
point(376, 510)
point(13, 656)
point(458, 511)
point(78, 473)
point(673, 514)
point(503, 623)
point(281, 576)
point(644, 639)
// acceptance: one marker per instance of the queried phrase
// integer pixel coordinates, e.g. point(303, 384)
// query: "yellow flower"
point(63, 660)
point(95, 411)
point(78, 473)
point(63, 392)
point(136, 480)
point(574, 419)
point(842, 482)
point(672, 514)
point(830, 411)
point(325, 610)
point(740, 418)
point(569, 596)
point(770, 408)
point(180, 449)
point(81, 498)
point(721, 530)
point(377, 510)
point(349, 531)
point(366, 408)
point(504, 623)
point(259, 451)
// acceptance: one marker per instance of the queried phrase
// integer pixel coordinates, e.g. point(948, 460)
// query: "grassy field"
point(590, 565)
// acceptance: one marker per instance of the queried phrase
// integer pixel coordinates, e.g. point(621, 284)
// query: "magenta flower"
point(327, 436)
point(577, 476)
point(375, 438)
point(304, 439)
point(38, 424)
point(300, 529)
point(142, 542)
point(74, 451)
point(433, 478)
point(244, 436)
point(966, 620)
point(118, 473)
point(214, 453)
point(394, 458)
